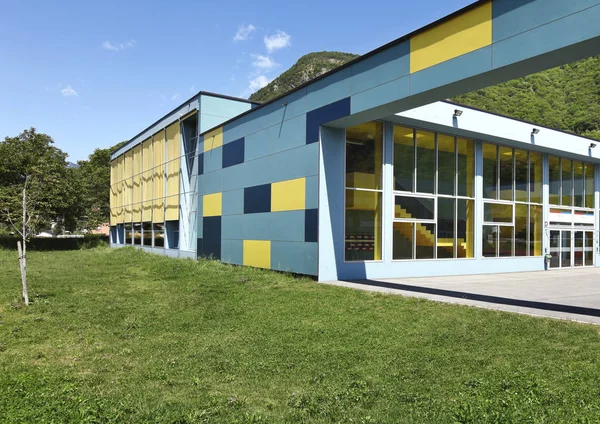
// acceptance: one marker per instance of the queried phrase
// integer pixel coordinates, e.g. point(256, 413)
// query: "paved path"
point(571, 294)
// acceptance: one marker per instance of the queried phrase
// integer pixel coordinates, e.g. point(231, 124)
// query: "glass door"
point(565, 249)
point(555, 249)
point(578, 248)
point(589, 248)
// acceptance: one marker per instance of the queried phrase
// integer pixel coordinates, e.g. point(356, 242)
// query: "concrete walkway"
point(570, 294)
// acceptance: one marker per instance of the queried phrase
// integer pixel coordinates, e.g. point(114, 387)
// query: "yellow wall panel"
point(173, 170)
point(128, 186)
point(257, 253)
point(120, 163)
point(213, 139)
point(457, 36)
point(212, 204)
point(158, 208)
point(113, 183)
point(288, 195)
point(137, 183)
point(147, 188)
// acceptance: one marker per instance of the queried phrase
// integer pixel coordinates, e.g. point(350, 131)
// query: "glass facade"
point(512, 209)
point(571, 183)
point(433, 205)
point(364, 164)
point(432, 195)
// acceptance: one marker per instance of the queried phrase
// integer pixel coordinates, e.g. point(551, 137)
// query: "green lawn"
point(123, 336)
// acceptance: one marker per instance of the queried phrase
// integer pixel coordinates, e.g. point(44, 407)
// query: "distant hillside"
point(566, 98)
point(306, 68)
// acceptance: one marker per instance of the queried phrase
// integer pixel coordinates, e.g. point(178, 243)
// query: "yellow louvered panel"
point(147, 159)
point(137, 184)
point(120, 199)
point(128, 186)
point(159, 177)
point(173, 164)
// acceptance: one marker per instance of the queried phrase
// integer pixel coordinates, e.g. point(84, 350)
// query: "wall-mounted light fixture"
point(457, 113)
point(592, 145)
point(535, 131)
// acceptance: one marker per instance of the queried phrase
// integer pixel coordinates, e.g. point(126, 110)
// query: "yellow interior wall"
point(257, 253)
point(137, 184)
point(288, 195)
point(158, 208)
point(173, 171)
point(147, 159)
point(213, 139)
point(462, 34)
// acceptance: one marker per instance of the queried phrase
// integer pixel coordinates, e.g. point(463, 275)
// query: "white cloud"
point(243, 32)
point(257, 83)
point(174, 96)
point(277, 41)
point(107, 45)
point(68, 91)
point(264, 62)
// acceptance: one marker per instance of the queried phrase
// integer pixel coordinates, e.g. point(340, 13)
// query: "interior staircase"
point(426, 237)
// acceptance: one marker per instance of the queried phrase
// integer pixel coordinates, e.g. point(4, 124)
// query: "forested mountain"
point(308, 67)
point(566, 98)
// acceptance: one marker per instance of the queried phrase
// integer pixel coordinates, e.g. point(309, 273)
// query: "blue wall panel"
point(233, 153)
point(232, 251)
point(277, 138)
point(315, 118)
point(294, 257)
point(385, 67)
point(512, 17)
point(213, 160)
point(280, 226)
point(233, 202)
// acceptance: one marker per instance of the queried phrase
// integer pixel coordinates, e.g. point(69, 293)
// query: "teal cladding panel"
point(216, 110)
point(233, 202)
point(326, 90)
point(267, 116)
point(512, 17)
point(232, 251)
point(387, 66)
point(280, 137)
point(459, 68)
point(294, 257)
point(213, 160)
point(274, 226)
point(384, 93)
point(312, 192)
point(547, 38)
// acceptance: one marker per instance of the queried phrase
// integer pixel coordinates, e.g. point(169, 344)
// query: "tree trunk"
point(23, 266)
point(23, 254)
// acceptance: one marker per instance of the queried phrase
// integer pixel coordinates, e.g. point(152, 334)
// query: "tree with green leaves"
point(36, 188)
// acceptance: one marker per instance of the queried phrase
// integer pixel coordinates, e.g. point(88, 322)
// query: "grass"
point(124, 336)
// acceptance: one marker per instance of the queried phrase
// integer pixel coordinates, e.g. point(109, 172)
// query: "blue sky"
point(93, 73)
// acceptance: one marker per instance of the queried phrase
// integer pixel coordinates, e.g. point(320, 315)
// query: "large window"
point(512, 209)
point(433, 200)
point(571, 183)
point(364, 161)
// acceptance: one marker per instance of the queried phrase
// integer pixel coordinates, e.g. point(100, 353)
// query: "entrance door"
point(571, 248)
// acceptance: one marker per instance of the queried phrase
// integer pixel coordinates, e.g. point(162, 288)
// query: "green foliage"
point(52, 189)
point(565, 98)
point(88, 241)
point(94, 176)
point(118, 335)
point(305, 69)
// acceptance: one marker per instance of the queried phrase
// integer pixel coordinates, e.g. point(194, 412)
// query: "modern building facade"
point(331, 180)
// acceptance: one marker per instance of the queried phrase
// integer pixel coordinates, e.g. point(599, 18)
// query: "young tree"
point(34, 187)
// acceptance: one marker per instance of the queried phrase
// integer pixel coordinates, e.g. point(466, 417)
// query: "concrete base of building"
point(568, 294)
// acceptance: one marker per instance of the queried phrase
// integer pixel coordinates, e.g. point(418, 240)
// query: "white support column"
point(478, 225)
point(388, 191)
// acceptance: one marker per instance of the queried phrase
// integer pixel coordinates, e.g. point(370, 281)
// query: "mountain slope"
point(308, 67)
point(565, 98)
